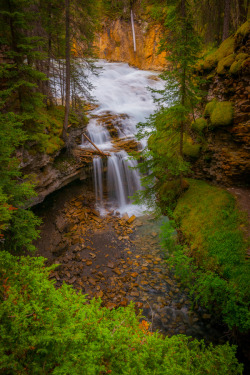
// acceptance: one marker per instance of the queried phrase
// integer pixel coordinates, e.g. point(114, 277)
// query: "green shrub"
point(55, 331)
point(210, 222)
point(199, 125)
point(222, 114)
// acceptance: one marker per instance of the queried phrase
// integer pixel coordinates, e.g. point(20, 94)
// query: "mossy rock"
point(199, 124)
point(222, 114)
point(238, 63)
point(226, 62)
point(209, 108)
point(241, 56)
point(244, 29)
point(226, 49)
point(246, 64)
point(192, 150)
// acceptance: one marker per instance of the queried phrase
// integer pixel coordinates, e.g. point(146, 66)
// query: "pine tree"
point(169, 134)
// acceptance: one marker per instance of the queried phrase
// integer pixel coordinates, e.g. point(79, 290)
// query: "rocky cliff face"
point(52, 172)
point(226, 157)
point(115, 43)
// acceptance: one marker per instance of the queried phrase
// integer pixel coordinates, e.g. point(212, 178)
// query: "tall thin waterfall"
point(133, 29)
point(98, 177)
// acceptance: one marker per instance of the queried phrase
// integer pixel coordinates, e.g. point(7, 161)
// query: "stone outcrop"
point(51, 172)
point(225, 158)
point(115, 43)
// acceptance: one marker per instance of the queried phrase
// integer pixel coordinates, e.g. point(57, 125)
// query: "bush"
point(208, 218)
point(49, 331)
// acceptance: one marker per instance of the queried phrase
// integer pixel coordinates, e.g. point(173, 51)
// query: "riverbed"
point(105, 246)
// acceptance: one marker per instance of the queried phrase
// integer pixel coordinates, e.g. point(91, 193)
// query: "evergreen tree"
point(169, 125)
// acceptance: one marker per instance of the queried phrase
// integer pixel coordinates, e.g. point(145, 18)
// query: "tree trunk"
point(67, 58)
point(183, 85)
point(226, 23)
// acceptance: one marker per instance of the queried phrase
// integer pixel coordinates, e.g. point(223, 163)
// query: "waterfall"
point(122, 181)
point(133, 29)
point(98, 135)
point(120, 90)
point(98, 175)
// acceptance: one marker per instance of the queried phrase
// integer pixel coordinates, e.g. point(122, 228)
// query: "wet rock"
point(117, 271)
point(131, 219)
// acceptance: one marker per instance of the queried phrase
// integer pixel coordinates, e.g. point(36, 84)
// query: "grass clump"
point(213, 263)
point(45, 330)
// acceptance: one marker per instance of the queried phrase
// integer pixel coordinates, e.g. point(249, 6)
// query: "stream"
point(105, 246)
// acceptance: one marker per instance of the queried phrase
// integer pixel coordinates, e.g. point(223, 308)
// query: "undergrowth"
point(212, 259)
point(56, 331)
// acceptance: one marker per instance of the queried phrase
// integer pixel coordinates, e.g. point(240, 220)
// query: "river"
point(86, 227)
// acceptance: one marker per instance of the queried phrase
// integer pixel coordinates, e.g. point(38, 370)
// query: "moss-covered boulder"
point(192, 150)
point(225, 63)
point(222, 115)
point(238, 63)
point(244, 29)
point(209, 108)
point(225, 49)
point(199, 125)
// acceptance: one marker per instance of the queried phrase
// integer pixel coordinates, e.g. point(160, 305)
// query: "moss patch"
point(209, 219)
point(238, 63)
point(209, 108)
point(225, 49)
point(244, 29)
point(226, 62)
point(222, 114)
point(211, 223)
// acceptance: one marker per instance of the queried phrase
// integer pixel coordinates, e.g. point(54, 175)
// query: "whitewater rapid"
point(120, 90)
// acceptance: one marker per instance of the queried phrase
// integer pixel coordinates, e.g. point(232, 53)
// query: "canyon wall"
point(115, 43)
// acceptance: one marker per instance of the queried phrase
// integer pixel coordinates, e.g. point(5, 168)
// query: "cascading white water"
point(133, 29)
point(122, 90)
point(98, 178)
point(98, 135)
point(123, 180)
